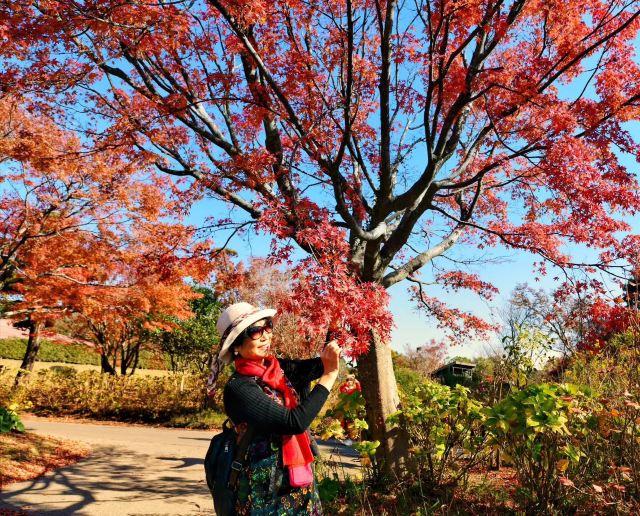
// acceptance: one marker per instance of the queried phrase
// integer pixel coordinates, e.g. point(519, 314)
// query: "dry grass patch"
point(28, 456)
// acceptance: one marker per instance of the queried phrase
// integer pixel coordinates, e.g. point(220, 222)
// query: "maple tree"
point(116, 289)
point(42, 193)
point(139, 286)
point(599, 316)
point(373, 135)
point(51, 198)
point(262, 283)
point(425, 358)
point(84, 233)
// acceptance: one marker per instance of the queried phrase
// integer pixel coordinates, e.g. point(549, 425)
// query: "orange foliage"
point(87, 234)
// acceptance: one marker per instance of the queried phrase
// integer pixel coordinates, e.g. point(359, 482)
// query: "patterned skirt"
point(264, 489)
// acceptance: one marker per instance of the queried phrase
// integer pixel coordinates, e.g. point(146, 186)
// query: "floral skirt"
point(264, 489)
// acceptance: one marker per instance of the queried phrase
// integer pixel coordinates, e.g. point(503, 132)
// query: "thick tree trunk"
point(106, 366)
point(31, 353)
point(379, 388)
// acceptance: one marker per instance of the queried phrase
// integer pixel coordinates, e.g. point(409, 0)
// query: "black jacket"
point(246, 402)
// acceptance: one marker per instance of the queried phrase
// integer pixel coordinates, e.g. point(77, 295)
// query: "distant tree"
point(147, 289)
point(494, 374)
point(61, 205)
point(595, 312)
point(526, 352)
point(44, 287)
point(52, 186)
point(425, 358)
point(192, 343)
point(560, 317)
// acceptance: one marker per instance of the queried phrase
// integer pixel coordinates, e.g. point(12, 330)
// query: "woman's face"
point(257, 344)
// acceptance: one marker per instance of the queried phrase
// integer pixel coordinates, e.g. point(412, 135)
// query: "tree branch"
point(422, 259)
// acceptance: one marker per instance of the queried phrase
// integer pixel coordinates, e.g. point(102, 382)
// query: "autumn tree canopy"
point(395, 129)
point(86, 233)
point(137, 286)
point(374, 135)
point(53, 190)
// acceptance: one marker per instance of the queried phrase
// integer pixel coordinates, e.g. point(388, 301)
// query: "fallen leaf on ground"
point(28, 456)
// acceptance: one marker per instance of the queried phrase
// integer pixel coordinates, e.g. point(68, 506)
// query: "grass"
point(25, 456)
point(203, 420)
point(50, 352)
point(14, 348)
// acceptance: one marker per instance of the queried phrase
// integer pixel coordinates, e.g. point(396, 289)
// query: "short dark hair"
point(236, 343)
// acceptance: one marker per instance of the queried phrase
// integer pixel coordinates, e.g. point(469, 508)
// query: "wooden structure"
point(455, 373)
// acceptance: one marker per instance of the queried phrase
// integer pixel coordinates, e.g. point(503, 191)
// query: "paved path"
point(132, 471)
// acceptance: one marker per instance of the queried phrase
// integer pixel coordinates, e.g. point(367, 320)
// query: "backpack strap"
point(240, 458)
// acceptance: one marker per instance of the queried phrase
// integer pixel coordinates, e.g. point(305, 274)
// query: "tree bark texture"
point(380, 391)
point(31, 353)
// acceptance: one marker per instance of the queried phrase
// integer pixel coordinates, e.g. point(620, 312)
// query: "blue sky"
point(412, 327)
point(505, 270)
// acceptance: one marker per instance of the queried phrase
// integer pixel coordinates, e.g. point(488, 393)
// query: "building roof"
point(456, 364)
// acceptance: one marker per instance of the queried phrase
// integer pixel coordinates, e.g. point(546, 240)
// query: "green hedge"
point(50, 352)
point(67, 353)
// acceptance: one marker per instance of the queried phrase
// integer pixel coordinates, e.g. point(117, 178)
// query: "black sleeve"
point(245, 401)
point(302, 372)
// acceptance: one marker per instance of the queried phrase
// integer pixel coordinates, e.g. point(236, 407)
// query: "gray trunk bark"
point(31, 353)
point(379, 388)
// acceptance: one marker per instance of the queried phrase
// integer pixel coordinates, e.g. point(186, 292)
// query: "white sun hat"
point(233, 321)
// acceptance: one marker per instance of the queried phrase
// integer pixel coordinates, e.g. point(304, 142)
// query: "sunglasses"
point(256, 332)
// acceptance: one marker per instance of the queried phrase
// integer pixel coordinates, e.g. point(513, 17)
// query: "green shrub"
point(50, 352)
point(9, 420)
point(340, 496)
point(13, 349)
point(63, 370)
point(541, 429)
point(445, 430)
point(350, 409)
point(408, 379)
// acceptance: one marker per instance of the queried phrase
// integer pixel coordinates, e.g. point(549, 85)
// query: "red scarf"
point(296, 449)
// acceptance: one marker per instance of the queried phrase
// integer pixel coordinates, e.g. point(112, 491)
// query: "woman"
point(272, 397)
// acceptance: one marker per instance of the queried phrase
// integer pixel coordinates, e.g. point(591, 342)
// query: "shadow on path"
point(184, 463)
point(340, 457)
point(109, 475)
point(197, 438)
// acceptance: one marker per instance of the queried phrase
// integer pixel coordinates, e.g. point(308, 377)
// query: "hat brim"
point(225, 350)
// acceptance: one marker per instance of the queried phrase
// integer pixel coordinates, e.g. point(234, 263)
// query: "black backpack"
point(222, 465)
